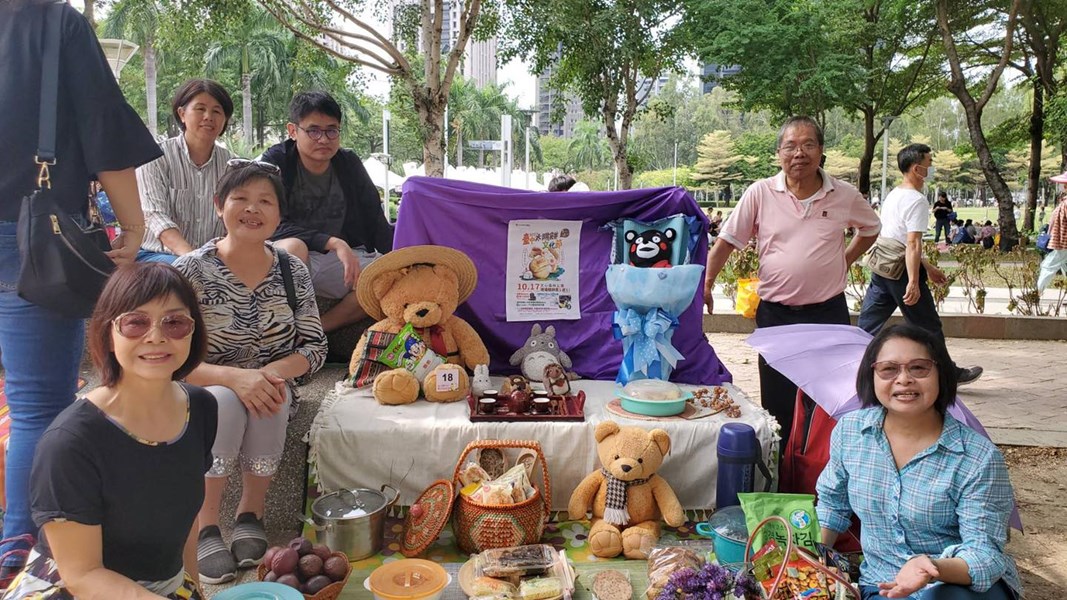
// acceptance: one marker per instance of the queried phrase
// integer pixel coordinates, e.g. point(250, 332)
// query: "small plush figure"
point(626, 495)
point(422, 285)
point(539, 351)
point(555, 381)
point(651, 248)
point(480, 382)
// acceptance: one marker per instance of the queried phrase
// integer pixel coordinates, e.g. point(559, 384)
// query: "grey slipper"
point(249, 542)
point(213, 559)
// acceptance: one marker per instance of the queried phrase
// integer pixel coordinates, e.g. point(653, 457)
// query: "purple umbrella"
point(823, 361)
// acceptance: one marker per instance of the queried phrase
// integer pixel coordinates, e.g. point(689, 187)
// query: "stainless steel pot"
point(352, 521)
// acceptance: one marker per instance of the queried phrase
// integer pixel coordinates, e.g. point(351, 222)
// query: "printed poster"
point(542, 271)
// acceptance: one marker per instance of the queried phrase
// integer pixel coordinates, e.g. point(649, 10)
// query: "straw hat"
point(415, 255)
point(1061, 178)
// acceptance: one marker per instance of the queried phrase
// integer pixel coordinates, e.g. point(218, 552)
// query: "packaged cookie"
point(611, 584)
point(664, 561)
point(521, 561)
point(472, 472)
point(487, 586)
point(493, 461)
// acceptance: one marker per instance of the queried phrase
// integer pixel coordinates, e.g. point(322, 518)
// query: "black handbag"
point(64, 267)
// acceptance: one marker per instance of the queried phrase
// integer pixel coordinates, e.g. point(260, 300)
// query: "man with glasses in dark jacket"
point(332, 215)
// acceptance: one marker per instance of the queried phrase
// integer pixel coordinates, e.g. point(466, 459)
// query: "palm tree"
point(256, 48)
point(138, 21)
point(587, 149)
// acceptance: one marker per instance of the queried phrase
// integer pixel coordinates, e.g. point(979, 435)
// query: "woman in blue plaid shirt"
point(932, 494)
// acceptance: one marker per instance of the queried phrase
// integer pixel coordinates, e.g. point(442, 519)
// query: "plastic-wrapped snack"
point(487, 586)
point(520, 561)
point(801, 579)
point(540, 588)
point(472, 472)
point(612, 585)
point(495, 493)
point(493, 461)
point(663, 561)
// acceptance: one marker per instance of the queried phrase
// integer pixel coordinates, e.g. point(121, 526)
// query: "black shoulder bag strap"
point(46, 130)
point(287, 279)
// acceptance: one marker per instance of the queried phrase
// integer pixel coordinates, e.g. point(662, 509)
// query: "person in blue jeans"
point(96, 132)
point(933, 495)
point(942, 210)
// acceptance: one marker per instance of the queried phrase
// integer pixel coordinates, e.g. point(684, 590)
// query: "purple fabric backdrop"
point(474, 218)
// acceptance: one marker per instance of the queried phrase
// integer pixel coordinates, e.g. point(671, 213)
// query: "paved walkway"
point(1021, 398)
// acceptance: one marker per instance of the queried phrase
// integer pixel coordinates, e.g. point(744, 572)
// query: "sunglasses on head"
point(241, 163)
point(135, 325)
point(920, 368)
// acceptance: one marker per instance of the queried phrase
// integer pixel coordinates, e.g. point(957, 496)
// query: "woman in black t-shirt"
point(119, 475)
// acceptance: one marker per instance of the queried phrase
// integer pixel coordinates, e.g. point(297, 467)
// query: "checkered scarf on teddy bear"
point(615, 501)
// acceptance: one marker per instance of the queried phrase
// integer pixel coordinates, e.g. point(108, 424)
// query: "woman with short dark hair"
point(932, 494)
point(177, 188)
point(119, 475)
point(264, 332)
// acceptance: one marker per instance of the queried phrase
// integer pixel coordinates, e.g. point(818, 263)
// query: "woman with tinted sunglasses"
point(257, 346)
point(118, 477)
point(933, 495)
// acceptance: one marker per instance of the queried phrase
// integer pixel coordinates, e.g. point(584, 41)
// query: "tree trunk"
point(1037, 132)
point(89, 12)
point(617, 143)
point(1009, 231)
point(431, 117)
point(869, 144)
point(246, 107)
point(149, 84)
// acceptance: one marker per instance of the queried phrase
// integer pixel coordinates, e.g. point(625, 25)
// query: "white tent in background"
point(376, 169)
point(489, 176)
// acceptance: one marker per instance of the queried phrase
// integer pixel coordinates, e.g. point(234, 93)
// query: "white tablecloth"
point(356, 442)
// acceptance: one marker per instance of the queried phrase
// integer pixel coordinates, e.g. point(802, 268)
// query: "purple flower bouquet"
point(710, 582)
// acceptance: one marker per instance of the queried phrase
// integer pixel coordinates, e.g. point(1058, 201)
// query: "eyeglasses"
point(919, 368)
point(808, 148)
point(316, 134)
point(136, 325)
point(241, 163)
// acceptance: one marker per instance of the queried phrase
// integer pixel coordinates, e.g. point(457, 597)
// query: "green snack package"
point(798, 509)
point(409, 351)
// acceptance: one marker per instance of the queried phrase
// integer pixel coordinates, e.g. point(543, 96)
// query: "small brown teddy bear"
point(626, 495)
point(422, 285)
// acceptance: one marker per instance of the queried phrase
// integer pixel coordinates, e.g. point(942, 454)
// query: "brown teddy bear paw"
point(398, 386)
point(605, 541)
point(439, 384)
point(637, 543)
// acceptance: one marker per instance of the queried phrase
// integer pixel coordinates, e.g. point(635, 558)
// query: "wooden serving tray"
point(570, 409)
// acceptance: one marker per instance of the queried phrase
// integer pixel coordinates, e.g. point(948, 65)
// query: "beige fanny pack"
point(886, 258)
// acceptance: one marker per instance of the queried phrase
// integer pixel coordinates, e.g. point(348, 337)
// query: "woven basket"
point(330, 592)
point(481, 526)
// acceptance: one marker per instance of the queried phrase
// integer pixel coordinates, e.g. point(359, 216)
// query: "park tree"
point(717, 161)
point(1042, 24)
point(873, 59)
point(335, 27)
point(586, 149)
point(959, 19)
point(139, 22)
point(608, 54)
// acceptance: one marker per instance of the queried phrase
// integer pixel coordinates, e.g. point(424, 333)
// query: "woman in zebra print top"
point(257, 345)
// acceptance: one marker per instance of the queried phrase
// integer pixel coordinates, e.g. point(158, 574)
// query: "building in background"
point(713, 74)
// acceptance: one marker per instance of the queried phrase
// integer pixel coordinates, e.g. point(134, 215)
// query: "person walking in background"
point(1056, 261)
point(177, 188)
point(798, 219)
point(942, 208)
point(905, 216)
point(97, 132)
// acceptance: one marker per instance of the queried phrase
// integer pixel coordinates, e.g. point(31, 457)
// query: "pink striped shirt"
point(801, 245)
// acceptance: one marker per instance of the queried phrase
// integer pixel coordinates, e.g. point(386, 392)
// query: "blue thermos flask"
point(740, 455)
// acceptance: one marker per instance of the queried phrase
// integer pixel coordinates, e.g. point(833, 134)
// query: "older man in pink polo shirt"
point(798, 218)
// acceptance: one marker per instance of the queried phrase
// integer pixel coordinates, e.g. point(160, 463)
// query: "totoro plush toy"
point(539, 351)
